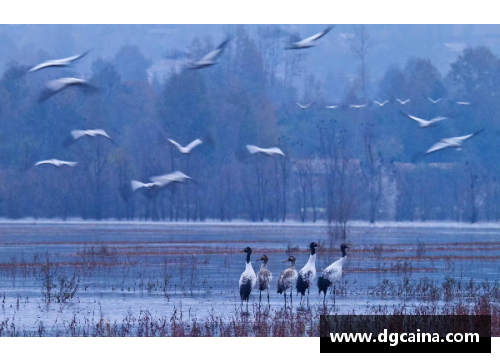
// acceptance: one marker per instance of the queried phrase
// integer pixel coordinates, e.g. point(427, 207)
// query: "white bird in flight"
point(210, 58)
point(332, 107)
point(76, 134)
point(455, 142)
point(136, 185)
point(166, 179)
point(381, 104)
point(357, 106)
point(403, 102)
point(58, 85)
point(188, 148)
point(424, 123)
point(266, 151)
point(304, 107)
point(55, 162)
point(159, 181)
point(58, 62)
point(463, 103)
point(435, 101)
point(310, 42)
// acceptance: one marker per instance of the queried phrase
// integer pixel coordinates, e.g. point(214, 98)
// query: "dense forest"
point(354, 161)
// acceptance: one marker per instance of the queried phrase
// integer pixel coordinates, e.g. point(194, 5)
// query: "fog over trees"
point(341, 164)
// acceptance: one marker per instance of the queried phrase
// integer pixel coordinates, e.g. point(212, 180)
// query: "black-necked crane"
point(248, 278)
point(264, 277)
point(332, 274)
point(287, 278)
point(308, 273)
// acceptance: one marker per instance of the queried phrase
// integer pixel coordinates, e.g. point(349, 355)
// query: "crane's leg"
point(284, 293)
point(291, 301)
point(268, 299)
point(324, 298)
point(260, 296)
point(334, 294)
point(308, 297)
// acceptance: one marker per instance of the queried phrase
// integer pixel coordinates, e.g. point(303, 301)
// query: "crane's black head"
point(342, 249)
point(248, 251)
point(264, 258)
point(313, 247)
point(291, 258)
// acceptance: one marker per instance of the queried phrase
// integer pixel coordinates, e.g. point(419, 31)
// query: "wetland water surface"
point(119, 270)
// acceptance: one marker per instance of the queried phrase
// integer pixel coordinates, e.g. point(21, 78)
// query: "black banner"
point(405, 334)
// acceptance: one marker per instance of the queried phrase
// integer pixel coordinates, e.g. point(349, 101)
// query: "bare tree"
point(371, 170)
point(359, 46)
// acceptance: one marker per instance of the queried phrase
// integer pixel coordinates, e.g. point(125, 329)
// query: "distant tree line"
point(341, 164)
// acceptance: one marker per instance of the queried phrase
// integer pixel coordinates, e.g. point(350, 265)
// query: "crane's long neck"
point(292, 266)
point(312, 259)
point(343, 253)
point(248, 258)
point(249, 267)
point(264, 265)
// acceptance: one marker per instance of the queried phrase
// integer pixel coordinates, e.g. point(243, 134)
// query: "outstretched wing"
point(175, 144)
point(437, 146)
point(77, 134)
point(413, 118)
point(215, 53)
point(319, 35)
point(193, 144)
point(136, 185)
point(253, 149)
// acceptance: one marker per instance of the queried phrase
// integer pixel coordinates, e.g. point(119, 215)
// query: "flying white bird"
point(332, 107)
point(267, 151)
point(381, 104)
point(455, 142)
point(160, 181)
point(164, 180)
point(55, 162)
point(303, 106)
point(332, 274)
point(58, 62)
point(188, 148)
point(357, 106)
point(435, 101)
point(58, 85)
point(463, 103)
point(424, 123)
point(310, 42)
point(90, 132)
point(402, 102)
point(76, 134)
point(136, 185)
point(210, 58)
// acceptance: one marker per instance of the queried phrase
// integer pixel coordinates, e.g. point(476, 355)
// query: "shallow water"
point(194, 268)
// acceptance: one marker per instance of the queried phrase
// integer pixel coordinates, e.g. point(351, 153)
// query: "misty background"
point(342, 164)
